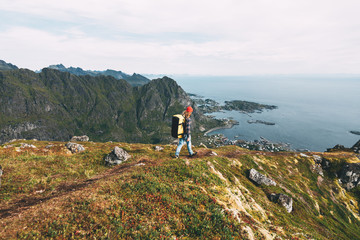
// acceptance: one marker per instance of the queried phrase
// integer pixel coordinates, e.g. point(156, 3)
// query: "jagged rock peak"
point(57, 66)
point(7, 66)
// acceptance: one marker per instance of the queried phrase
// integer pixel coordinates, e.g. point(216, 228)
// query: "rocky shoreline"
point(263, 144)
point(244, 107)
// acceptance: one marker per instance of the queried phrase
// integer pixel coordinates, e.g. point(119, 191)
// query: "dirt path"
point(21, 205)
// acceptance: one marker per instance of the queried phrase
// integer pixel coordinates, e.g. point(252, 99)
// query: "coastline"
point(227, 126)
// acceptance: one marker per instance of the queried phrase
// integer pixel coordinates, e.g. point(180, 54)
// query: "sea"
point(314, 112)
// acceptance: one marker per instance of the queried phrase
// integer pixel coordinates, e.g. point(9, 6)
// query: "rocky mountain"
point(92, 190)
point(7, 66)
point(55, 105)
point(134, 80)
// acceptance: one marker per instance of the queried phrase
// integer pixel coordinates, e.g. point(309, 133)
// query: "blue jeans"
point(181, 143)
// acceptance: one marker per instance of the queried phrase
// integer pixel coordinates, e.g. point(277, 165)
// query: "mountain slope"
point(153, 196)
point(54, 105)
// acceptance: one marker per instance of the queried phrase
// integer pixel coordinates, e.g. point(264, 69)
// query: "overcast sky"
point(212, 37)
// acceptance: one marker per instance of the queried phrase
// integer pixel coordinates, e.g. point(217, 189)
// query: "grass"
point(49, 193)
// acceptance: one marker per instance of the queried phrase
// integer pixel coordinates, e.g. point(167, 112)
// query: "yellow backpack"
point(177, 128)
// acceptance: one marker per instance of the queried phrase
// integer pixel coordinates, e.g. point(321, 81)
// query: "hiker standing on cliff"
point(187, 134)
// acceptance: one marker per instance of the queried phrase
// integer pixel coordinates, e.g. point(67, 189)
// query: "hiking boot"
point(192, 155)
point(176, 156)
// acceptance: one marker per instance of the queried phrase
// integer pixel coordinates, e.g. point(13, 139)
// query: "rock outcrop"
point(356, 147)
point(283, 200)
point(350, 176)
point(317, 166)
point(260, 178)
point(83, 138)
point(25, 145)
point(117, 156)
point(338, 148)
point(75, 147)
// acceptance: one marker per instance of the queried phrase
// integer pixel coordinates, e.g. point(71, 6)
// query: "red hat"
point(189, 109)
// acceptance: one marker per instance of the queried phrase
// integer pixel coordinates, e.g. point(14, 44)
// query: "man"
point(187, 134)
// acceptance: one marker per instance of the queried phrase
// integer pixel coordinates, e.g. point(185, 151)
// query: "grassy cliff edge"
point(49, 193)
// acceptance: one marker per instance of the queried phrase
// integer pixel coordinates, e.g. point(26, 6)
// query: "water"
point(313, 113)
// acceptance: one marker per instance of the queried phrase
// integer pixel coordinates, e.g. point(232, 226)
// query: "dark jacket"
point(187, 130)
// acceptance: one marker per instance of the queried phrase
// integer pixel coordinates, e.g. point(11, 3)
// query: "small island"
point(246, 107)
point(261, 122)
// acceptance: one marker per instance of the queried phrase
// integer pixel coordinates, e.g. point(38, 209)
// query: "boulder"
point(283, 200)
point(349, 175)
point(158, 148)
point(117, 156)
point(80, 139)
point(260, 178)
point(75, 147)
point(25, 145)
point(212, 153)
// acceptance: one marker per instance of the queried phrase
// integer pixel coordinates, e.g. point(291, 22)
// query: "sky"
point(212, 37)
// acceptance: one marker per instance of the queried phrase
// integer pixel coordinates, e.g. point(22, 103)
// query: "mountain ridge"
point(134, 79)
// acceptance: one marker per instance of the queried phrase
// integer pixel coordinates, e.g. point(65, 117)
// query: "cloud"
point(182, 36)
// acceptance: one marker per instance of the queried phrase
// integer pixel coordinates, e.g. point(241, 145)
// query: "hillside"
point(49, 193)
point(55, 105)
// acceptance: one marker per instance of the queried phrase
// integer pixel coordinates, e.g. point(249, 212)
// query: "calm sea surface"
point(313, 113)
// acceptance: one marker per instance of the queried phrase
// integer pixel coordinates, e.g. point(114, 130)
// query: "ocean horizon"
point(314, 112)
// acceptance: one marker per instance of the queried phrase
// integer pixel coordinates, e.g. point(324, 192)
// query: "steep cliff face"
point(58, 105)
point(54, 105)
